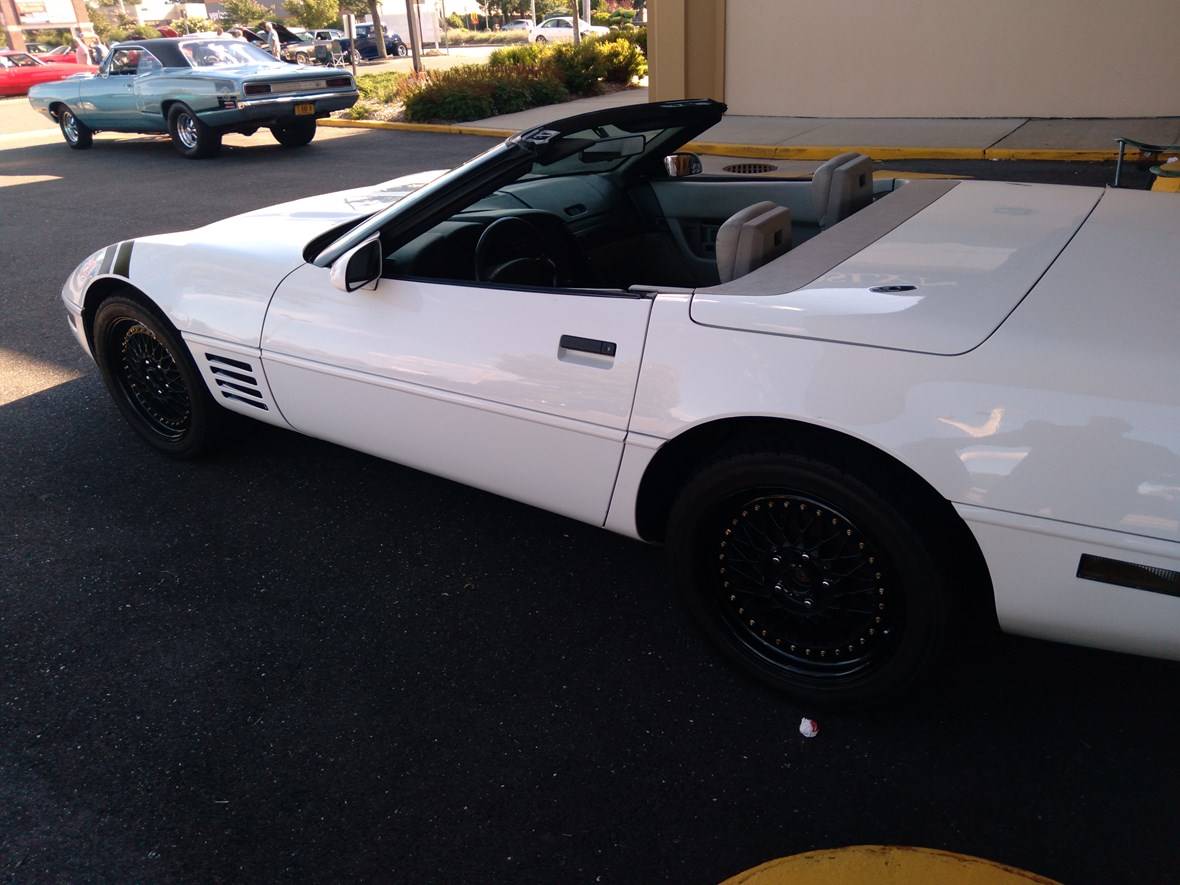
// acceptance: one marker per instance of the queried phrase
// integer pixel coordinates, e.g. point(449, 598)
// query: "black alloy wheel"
point(152, 378)
point(809, 578)
point(77, 134)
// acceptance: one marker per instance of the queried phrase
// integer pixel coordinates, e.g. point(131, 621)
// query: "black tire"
point(192, 138)
point(295, 134)
point(301, 58)
point(402, 52)
point(150, 374)
point(541, 40)
point(853, 616)
point(77, 134)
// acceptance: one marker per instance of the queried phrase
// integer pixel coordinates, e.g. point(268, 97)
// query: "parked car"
point(366, 43)
point(327, 34)
point(66, 55)
point(519, 24)
point(560, 29)
point(865, 419)
point(196, 89)
point(20, 72)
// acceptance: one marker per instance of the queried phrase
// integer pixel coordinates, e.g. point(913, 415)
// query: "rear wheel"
point(402, 51)
point(301, 58)
point(809, 578)
point(77, 134)
point(152, 378)
point(294, 134)
point(192, 138)
point(542, 40)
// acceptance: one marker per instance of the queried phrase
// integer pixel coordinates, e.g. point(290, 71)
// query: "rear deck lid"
point(940, 281)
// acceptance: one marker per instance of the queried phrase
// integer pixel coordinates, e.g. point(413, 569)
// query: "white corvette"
point(860, 417)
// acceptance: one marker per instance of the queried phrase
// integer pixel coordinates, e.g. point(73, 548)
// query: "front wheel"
point(402, 51)
point(808, 578)
point(191, 137)
point(77, 134)
point(542, 40)
point(152, 378)
point(294, 134)
point(301, 58)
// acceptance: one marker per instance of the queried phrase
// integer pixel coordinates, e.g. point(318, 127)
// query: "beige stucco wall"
point(952, 58)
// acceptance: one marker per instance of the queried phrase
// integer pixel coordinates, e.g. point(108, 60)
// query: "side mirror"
point(359, 267)
point(682, 164)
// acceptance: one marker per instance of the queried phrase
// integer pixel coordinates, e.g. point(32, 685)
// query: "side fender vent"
point(236, 380)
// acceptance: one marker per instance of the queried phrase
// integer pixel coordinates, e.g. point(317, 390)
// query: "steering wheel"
point(510, 250)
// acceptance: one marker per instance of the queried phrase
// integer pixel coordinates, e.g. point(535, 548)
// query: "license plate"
point(304, 108)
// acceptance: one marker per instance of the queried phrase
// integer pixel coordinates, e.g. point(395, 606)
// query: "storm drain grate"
point(750, 168)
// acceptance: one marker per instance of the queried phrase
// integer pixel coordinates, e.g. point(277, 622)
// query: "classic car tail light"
point(339, 81)
point(257, 88)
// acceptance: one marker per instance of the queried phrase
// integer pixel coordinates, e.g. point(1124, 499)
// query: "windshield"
point(18, 60)
point(219, 53)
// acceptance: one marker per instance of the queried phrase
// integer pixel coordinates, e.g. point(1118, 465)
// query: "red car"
point(19, 71)
point(66, 55)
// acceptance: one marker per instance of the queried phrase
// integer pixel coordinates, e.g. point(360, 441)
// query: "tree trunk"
point(577, 27)
point(378, 31)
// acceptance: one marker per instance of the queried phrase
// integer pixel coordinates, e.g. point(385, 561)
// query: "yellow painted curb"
point(447, 128)
point(788, 152)
point(884, 865)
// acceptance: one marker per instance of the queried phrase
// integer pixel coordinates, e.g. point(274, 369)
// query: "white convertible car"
point(862, 418)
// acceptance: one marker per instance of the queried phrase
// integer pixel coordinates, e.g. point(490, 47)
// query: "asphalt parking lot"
point(292, 661)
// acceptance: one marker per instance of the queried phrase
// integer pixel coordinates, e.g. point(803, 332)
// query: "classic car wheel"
point(152, 378)
point(295, 134)
point(77, 134)
point(192, 138)
point(301, 58)
point(402, 51)
point(808, 578)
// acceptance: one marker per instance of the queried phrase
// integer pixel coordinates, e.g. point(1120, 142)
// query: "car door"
point(108, 100)
point(557, 31)
point(524, 392)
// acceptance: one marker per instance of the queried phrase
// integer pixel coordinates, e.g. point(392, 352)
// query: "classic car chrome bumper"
point(271, 107)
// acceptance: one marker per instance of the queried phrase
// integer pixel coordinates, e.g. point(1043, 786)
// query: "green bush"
point(385, 88)
point(530, 55)
point(463, 37)
point(453, 21)
point(620, 60)
point(471, 92)
point(579, 66)
point(632, 34)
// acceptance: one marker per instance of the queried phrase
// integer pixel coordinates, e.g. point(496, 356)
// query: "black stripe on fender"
point(1129, 574)
point(107, 257)
point(123, 259)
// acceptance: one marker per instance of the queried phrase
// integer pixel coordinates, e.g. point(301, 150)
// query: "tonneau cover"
point(960, 261)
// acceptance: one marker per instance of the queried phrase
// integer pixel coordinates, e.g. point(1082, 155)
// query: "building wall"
point(920, 58)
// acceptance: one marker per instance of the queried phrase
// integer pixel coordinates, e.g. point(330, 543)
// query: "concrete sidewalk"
point(812, 138)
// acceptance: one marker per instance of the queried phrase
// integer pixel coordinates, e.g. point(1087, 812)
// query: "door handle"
point(587, 345)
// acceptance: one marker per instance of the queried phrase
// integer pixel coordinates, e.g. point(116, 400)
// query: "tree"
point(378, 30)
point(244, 12)
point(314, 13)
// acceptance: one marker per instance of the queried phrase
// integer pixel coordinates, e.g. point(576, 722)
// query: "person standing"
point(81, 50)
point(273, 45)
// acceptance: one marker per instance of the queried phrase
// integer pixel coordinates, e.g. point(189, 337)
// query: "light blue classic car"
point(196, 89)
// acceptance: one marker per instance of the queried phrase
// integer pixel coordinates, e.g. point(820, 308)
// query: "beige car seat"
point(751, 237)
point(841, 186)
